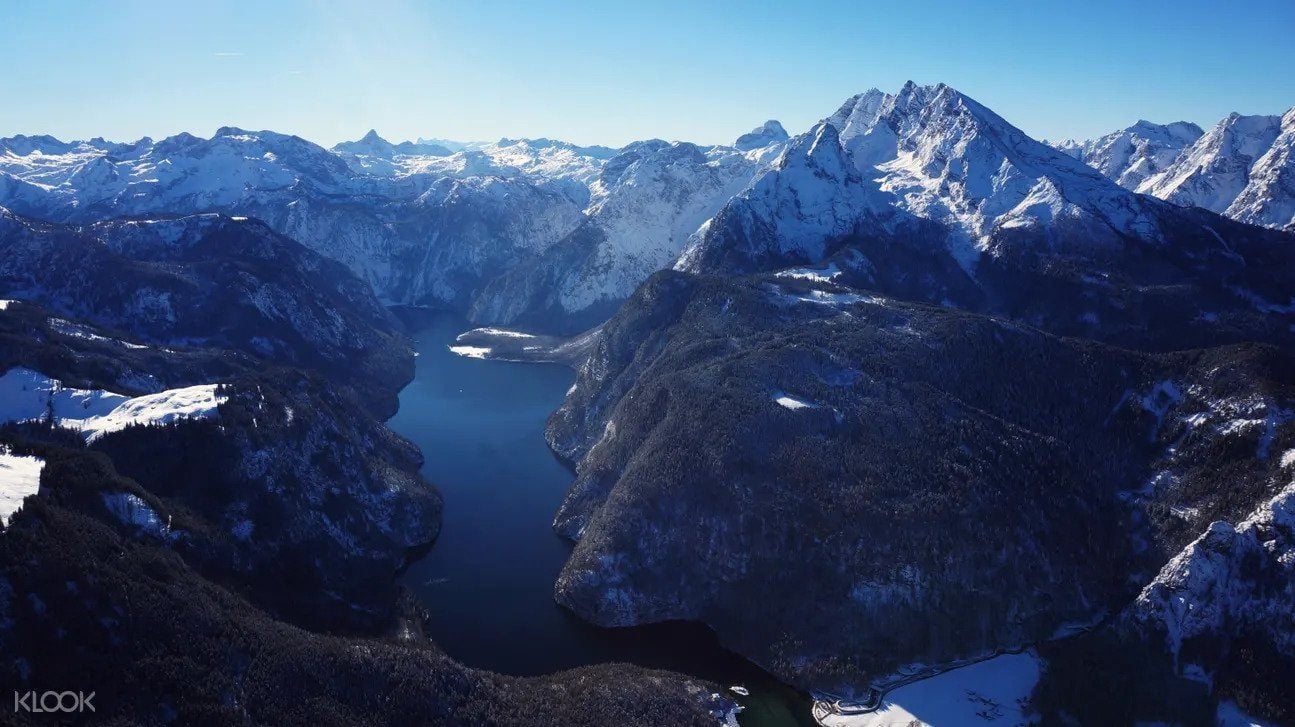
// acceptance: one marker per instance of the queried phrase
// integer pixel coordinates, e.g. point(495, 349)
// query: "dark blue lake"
point(488, 581)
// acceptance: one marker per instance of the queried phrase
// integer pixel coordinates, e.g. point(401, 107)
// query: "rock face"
point(884, 164)
point(1268, 198)
point(1212, 172)
point(1232, 580)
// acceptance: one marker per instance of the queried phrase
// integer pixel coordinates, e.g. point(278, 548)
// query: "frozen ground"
point(992, 691)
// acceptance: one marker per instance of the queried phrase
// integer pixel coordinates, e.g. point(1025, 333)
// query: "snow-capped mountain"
point(770, 132)
point(1129, 156)
point(538, 158)
point(544, 159)
point(401, 233)
point(929, 154)
point(1216, 169)
point(646, 203)
point(928, 195)
point(471, 229)
point(1241, 168)
point(375, 155)
point(179, 174)
point(907, 231)
point(372, 144)
point(1268, 199)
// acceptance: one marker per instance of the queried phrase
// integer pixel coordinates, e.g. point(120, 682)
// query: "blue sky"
point(611, 72)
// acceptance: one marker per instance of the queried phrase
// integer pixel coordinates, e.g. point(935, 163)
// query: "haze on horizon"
point(616, 72)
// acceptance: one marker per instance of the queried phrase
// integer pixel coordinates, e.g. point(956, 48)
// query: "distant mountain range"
point(574, 229)
point(1243, 167)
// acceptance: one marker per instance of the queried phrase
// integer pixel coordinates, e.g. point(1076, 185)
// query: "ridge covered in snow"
point(1213, 172)
point(928, 153)
point(1129, 156)
point(1233, 578)
point(1243, 167)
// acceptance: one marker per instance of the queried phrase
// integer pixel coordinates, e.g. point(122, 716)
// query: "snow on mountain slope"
point(1129, 156)
point(378, 226)
point(945, 157)
point(656, 197)
point(1268, 198)
point(931, 153)
point(28, 395)
point(466, 232)
point(179, 174)
point(372, 154)
point(770, 132)
point(1233, 578)
point(811, 196)
point(645, 204)
point(543, 158)
point(421, 228)
point(1213, 171)
point(19, 477)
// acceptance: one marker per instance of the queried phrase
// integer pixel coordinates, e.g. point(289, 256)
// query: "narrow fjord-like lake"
point(488, 582)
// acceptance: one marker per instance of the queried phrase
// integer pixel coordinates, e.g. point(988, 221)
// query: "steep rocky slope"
point(841, 483)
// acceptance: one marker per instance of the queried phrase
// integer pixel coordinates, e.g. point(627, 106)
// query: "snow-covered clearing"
point(19, 477)
point(791, 402)
point(26, 395)
point(991, 691)
point(822, 275)
point(470, 351)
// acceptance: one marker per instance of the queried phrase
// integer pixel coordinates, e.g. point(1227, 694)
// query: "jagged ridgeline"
point(904, 390)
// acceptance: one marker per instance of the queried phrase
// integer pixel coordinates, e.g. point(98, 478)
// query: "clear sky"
point(610, 72)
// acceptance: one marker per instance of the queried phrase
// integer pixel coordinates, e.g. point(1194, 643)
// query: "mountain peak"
point(770, 132)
